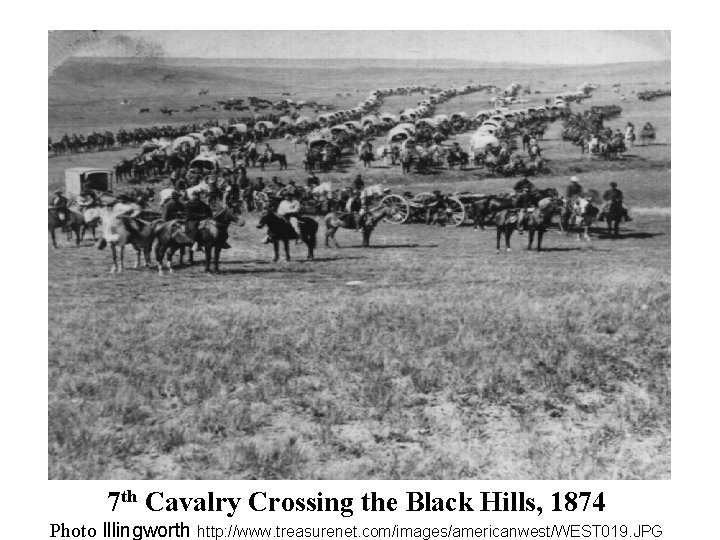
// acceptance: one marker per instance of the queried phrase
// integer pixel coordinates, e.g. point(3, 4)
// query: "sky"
point(532, 47)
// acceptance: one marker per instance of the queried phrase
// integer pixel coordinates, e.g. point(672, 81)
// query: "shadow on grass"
point(628, 236)
point(402, 246)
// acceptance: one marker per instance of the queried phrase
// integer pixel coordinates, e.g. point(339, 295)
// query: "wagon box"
point(80, 179)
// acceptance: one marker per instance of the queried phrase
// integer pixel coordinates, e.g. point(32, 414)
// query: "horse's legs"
point(114, 267)
point(276, 249)
point(531, 237)
point(216, 257)
point(508, 234)
point(52, 237)
point(540, 234)
point(617, 227)
point(499, 235)
point(159, 255)
point(286, 243)
point(208, 256)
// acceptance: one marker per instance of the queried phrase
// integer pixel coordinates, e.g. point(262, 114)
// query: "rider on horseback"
point(59, 206)
point(85, 200)
point(524, 201)
point(173, 208)
point(289, 209)
point(196, 210)
point(356, 206)
point(613, 196)
point(520, 185)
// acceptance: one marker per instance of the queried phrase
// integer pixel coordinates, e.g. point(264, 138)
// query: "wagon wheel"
point(399, 209)
point(455, 212)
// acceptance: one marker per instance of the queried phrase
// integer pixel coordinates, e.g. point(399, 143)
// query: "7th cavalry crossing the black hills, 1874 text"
point(280, 258)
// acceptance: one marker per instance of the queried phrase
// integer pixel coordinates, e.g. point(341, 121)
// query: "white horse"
point(165, 195)
point(202, 187)
point(584, 214)
point(325, 187)
point(116, 234)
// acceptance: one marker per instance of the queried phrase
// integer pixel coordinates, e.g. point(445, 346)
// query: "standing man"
point(358, 183)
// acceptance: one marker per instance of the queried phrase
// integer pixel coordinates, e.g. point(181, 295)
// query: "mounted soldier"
point(173, 208)
point(58, 206)
point(289, 209)
point(573, 189)
point(85, 200)
point(520, 185)
point(523, 202)
point(196, 210)
point(612, 197)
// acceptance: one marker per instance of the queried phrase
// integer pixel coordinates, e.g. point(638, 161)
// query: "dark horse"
point(506, 222)
point(613, 216)
point(538, 221)
point(487, 206)
point(280, 230)
point(280, 158)
point(212, 234)
point(367, 158)
point(170, 237)
point(347, 220)
point(74, 221)
point(458, 157)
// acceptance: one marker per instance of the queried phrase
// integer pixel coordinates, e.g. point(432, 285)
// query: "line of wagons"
point(460, 207)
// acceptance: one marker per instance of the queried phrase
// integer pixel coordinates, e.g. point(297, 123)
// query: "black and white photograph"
point(359, 254)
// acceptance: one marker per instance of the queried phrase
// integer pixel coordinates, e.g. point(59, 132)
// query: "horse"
point(460, 157)
point(348, 220)
point(613, 216)
point(583, 216)
point(119, 229)
point(213, 233)
point(539, 220)
point(367, 158)
point(489, 205)
point(647, 134)
point(505, 222)
point(250, 156)
point(170, 237)
point(272, 158)
point(280, 230)
point(74, 221)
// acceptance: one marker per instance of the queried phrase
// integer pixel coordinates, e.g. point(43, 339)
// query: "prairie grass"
point(447, 361)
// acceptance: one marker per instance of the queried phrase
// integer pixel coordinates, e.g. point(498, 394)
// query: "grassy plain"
point(447, 360)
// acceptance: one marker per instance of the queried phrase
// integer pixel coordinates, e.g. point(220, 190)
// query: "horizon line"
point(380, 59)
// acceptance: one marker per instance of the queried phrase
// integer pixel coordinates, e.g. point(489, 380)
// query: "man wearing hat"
point(574, 189)
point(173, 208)
point(523, 202)
point(196, 211)
point(613, 195)
point(289, 210)
point(59, 206)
